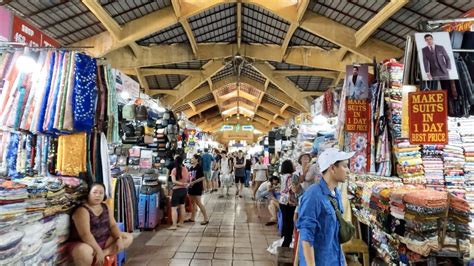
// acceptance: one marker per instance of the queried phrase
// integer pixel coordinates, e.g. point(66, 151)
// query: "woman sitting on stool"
point(95, 234)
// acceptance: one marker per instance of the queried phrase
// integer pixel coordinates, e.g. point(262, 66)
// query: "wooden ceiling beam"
point(179, 53)
point(199, 109)
point(285, 85)
point(277, 110)
point(312, 93)
point(239, 25)
point(196, 94)
point(375, 22)
point(345, 37)
point(301, 7)
point(318, 73)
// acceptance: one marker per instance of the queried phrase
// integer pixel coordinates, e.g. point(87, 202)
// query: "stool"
point(357, 246)
point(285, 256)
point(110, 261)
point(121, 257)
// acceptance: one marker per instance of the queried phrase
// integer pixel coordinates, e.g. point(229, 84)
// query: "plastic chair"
point(110, 260)
point(121, 257)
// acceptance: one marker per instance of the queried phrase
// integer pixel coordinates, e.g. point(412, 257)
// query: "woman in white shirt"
point(225, 173)
point(260, 173)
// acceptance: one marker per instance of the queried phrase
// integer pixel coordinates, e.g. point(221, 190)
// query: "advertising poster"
point(435, 56)
point(428, 112)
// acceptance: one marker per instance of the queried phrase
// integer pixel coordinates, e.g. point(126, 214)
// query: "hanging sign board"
point(124, 83)
point(24, 32)
point(461, 26)
point(357, 115)
point(428, 112)
point(6, 25)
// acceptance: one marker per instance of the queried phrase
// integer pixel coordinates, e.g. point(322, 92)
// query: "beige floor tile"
point(180, 262)
point(243, 256)
point(201, 262)
point(221, 262)
point(205, 249)
point(244, 250)
point(204, 256)
point(183, 255)
point(242, 263)
point(223, 256)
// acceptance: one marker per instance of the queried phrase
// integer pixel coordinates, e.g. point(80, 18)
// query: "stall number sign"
point(428, 114)
point(357, 115)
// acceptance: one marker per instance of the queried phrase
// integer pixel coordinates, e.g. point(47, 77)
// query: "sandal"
point(270, 223)
point(172, 228)
point(189, 221)
point(205, 223)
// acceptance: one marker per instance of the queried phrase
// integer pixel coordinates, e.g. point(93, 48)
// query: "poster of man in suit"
point(436, 56)
point(357, 78)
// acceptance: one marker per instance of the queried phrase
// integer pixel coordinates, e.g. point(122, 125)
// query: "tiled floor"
point(235, 235)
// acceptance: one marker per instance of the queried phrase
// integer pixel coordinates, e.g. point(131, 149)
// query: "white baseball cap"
point(330, 156)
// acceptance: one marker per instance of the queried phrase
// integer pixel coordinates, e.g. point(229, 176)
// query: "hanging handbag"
point(128, 112)
point(346, 229)
point(148, 139)
point(149, 131)
point(141, 113)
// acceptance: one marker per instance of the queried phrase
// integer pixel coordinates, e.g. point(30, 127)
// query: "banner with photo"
point(435, 56)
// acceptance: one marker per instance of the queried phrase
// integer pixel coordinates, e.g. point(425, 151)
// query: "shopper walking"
point(180, 179)
point(226, 173)
point(248, 169)
point(303, 166)
point(260, 173)
point(317, 222)
point(196, 187)
point(207, 160)
point(239, 171)
point(287, 202)
point(216, 165)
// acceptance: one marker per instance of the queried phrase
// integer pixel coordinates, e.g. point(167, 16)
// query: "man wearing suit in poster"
point(435, 60)
point(356, 85)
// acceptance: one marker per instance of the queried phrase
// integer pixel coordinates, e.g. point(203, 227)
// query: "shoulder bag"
point(346, 230)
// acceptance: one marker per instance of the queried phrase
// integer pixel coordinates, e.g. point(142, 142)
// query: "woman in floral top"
point(287, 202)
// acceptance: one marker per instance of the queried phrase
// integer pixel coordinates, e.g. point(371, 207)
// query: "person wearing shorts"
point(206, 161)
point(196, 176)
point(180, 179)
point(239, 169)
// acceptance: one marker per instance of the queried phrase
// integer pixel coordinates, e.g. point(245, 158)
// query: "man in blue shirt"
point(317, 221)
point(207, 160)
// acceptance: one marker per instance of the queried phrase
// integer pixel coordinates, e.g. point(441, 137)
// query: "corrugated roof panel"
point(305, 38)
point(262, 109)
point(124, 11)
point(251, 73)
point(204, 99)
point(182, 108)
point(272, 100)
point(198, 64)
point(227, 71)
point(167, 82)
point(172, 34)
point(311, 83)
point(285, 66)
point(353, 14)
point(67, 22)
point(226, 90)
point(293, 110)
point(262, 26)
point(218, 24)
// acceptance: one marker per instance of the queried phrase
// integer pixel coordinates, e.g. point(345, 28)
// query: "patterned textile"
point(85, 92)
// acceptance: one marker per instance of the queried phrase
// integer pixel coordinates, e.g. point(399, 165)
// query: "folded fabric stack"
point(459, 218)
point(62, 234)
point(454, 162)
point(432, 156)
point(422, 209)
point(10, 246)
point(380, 202)
point(12, 203)
point(395, 111)
point(32, 243)
point(409, 162)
